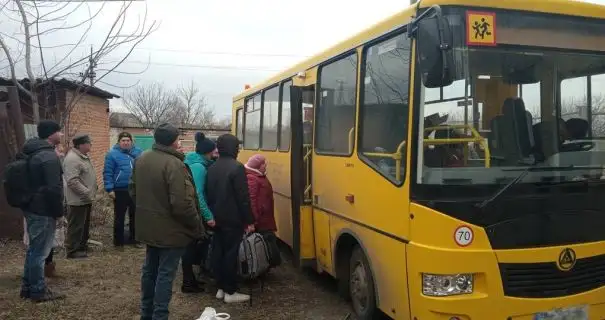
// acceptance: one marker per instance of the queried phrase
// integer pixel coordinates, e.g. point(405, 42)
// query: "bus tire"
point(361, 286)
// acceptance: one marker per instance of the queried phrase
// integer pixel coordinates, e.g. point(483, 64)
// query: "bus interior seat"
point(514, 122)
point(577, 128)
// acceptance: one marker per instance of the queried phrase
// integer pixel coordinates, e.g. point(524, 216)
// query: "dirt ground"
point(106, 286)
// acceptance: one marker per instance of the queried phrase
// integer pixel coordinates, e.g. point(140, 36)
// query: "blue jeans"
point(157, 277)
point(41, 232)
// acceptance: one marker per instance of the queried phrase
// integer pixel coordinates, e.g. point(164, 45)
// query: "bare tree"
point(193, 110)
point(39, 19)
point(152, 104)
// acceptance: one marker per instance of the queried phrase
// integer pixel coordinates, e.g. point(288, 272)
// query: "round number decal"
point(463, 236)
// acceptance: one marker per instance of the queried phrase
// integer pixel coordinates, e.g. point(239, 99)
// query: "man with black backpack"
point(34, 183)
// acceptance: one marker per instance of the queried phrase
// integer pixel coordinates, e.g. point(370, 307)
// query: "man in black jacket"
point(228, 198)
point(45, 207)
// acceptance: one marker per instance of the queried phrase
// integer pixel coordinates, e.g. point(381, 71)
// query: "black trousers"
point(78, 228)
point(122, 203)
point(190, 258)
point(225, 251)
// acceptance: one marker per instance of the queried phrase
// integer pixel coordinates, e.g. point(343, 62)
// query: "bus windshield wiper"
point(525, 172)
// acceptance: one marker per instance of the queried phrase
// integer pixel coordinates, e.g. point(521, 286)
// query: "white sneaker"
point(220, 294)
point(236, 297)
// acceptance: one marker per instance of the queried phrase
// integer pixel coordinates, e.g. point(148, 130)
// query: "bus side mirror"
point(434, 50)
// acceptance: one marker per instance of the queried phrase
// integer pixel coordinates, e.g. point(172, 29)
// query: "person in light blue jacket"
point(198, 162)
point(119, 162)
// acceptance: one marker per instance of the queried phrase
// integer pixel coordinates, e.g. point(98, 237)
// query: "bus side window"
point(336, 106)
point(384, 109)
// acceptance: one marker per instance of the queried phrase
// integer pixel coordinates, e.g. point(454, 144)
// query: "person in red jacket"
point(261, 194)
point(261, 201)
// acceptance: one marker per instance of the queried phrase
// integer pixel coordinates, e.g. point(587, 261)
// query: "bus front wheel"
point(361, 286)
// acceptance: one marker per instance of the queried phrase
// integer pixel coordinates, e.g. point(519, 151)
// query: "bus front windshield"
point(515, 107)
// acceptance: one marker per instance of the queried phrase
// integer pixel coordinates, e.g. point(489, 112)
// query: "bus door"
point(302, 101)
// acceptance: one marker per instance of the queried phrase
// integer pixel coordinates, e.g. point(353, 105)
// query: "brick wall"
point(91, 115)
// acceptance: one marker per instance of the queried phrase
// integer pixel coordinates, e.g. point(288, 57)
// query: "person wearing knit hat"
point(117, 171)
point(44, 208)
point(261, 201)
point(198, 162)
point(168, 218)
point(227, 195)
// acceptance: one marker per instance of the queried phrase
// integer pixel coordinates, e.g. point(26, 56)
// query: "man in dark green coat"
point(168, 218)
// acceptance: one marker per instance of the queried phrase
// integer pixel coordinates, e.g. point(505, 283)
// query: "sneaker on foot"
point(48, 296)
point(220, 294)
point(236, 297)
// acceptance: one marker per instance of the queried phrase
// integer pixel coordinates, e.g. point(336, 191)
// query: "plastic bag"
point(210, 314)
point(59, 239)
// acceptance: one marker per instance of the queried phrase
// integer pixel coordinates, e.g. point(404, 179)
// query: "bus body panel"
point(390, 277)
point(323, 241)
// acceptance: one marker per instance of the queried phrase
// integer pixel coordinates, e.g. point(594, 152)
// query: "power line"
point(228, 53)
point(202, 66)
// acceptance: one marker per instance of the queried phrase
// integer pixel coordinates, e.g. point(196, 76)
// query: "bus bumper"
point(487, 300)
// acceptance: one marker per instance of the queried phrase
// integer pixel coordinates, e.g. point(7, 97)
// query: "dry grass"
point(106, 286)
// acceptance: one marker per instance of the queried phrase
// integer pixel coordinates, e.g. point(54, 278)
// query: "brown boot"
point(49, 270)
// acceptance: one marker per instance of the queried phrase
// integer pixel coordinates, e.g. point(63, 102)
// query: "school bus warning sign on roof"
point(480, 28)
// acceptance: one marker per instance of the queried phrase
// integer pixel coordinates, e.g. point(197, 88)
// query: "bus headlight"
point(437, 285)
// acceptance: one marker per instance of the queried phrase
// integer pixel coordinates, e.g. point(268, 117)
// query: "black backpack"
point(16, 182)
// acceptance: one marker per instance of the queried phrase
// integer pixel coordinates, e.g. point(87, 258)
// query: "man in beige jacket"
point(80, 189)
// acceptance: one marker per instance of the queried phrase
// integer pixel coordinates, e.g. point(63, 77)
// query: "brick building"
point(88, 109)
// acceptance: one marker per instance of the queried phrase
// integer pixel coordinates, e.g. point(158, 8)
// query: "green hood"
point(195, 158)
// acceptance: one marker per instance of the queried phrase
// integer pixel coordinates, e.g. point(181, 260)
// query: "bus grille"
point(545, 280)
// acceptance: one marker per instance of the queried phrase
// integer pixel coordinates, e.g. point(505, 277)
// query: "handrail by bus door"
point(307, 151)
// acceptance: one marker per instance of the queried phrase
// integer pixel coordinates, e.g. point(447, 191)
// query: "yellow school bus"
point(446, 163)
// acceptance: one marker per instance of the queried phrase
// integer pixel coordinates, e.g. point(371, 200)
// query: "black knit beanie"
point(166, 134)
point(203, 145)
point(47, 128)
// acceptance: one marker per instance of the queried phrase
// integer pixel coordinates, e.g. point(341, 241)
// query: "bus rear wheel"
point(361, 286)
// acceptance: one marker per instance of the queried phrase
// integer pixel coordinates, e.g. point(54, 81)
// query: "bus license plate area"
point(571, 313)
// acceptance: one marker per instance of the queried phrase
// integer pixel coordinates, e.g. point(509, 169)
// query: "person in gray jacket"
point(80, 189)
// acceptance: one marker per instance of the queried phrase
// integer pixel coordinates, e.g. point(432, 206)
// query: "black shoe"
point(48, 296)
point(192, 288)
point(77, 255)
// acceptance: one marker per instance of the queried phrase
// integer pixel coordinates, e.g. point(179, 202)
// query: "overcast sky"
point(223, 45)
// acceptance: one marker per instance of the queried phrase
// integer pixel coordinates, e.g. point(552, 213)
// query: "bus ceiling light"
point(484, 77)
point(440, 285)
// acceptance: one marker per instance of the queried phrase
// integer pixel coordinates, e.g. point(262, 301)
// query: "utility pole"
point(90, 73)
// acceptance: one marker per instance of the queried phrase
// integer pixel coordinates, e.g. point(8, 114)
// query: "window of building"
point(270, 118)
point(285, 126)
point(384, 109)
point(336, 107)
point(252, 123)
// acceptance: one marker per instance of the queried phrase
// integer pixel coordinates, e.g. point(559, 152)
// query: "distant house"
point(143, 135)
point(89, 114)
